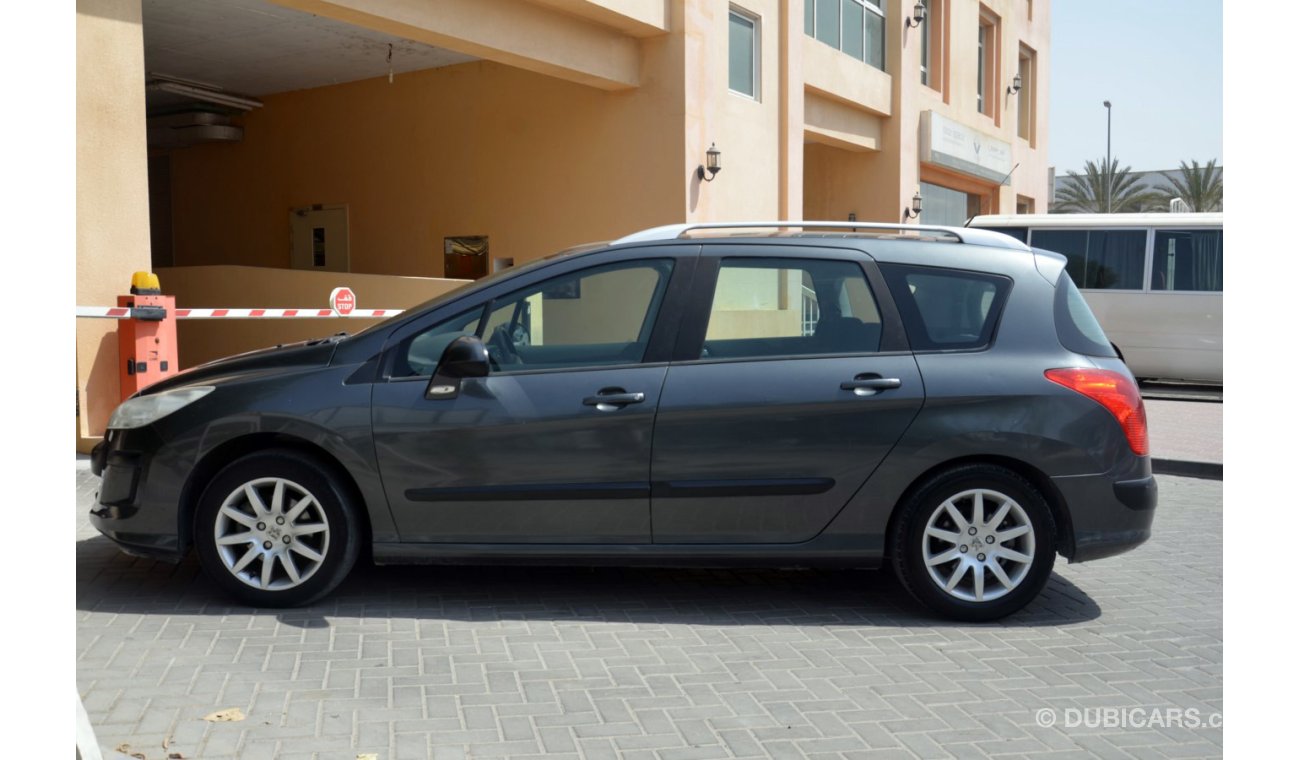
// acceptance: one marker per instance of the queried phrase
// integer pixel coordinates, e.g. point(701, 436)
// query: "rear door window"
point(790, 307)
point(947, 309)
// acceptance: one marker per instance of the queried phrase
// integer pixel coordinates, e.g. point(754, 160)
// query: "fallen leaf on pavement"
point(223, 716)
point(368, 756)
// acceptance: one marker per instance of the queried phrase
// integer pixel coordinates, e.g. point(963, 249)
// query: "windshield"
point(456, 292)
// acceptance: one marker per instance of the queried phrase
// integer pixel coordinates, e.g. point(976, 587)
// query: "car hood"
point(307, 353)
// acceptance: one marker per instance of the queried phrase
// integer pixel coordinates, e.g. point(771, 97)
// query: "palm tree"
point(1201, 188)
point(1087, 193)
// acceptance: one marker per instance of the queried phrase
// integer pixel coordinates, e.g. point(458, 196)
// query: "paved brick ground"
point(1190, 431)
point(484, 663)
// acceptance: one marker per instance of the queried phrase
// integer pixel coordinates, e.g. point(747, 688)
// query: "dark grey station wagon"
point(939, 400)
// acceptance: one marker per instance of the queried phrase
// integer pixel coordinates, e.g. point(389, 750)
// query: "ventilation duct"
point(185, 128)
point(184, 112)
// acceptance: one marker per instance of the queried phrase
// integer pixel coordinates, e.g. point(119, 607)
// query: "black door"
point(793, 384)
point(553, 446)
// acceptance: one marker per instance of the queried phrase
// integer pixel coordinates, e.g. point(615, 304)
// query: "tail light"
point(1115, 391)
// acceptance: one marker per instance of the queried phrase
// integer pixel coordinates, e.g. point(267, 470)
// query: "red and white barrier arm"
point(122, 312)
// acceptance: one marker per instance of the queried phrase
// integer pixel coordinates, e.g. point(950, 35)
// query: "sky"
point(1159, 63)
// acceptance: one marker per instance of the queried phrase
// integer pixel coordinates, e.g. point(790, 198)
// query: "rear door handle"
point(870, 385)
point(612, 399)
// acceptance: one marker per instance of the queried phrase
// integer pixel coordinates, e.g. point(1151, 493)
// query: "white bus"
point(1155, 282)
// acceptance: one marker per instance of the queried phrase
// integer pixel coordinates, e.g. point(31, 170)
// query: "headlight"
point(145, 410)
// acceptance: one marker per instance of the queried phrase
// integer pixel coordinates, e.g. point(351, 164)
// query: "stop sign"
point(343, 301)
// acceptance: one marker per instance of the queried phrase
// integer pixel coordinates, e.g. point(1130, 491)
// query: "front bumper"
point(137, 499)
point(1109, 515)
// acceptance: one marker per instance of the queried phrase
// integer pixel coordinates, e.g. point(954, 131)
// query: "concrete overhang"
point(833, 123)
point(639, 18)
point(241, 50)
point(842, 77)
point(520, 34)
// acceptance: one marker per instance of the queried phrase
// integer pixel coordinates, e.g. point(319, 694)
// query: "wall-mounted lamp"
point(853, 217)
point(1014, 87)
point(918, 15)
point(713, 164)
point(915, 210)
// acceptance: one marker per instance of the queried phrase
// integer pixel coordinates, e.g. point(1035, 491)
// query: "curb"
point(87, 746)
point(1188, 469)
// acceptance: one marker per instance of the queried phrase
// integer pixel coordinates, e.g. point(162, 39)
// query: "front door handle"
point(870, 385)
point(613, 399)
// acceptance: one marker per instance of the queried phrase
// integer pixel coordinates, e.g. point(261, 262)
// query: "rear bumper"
point(1109, 516)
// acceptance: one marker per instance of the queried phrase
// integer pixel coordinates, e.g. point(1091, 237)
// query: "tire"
point(281, 552)
point(934, 525)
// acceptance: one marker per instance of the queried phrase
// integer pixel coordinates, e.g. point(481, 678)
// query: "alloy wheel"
point(271, 534)
point(978, 545)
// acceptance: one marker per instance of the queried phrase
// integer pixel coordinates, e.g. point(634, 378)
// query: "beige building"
point(388, 144)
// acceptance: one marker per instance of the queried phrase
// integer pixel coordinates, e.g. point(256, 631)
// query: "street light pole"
point(1109, 178)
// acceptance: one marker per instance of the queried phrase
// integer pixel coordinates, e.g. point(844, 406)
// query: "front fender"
point(273, 411)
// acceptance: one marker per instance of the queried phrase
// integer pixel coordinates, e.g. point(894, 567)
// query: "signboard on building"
point(960, 148)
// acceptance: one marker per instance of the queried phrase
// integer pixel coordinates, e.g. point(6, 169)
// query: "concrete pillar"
point(112, 192)
point(790, 198)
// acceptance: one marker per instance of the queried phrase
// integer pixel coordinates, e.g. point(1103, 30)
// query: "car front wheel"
point(975, 543)
point(275, 529)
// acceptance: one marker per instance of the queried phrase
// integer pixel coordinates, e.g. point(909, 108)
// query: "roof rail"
point(965, 235)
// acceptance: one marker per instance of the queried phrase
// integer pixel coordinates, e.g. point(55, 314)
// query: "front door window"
point(596, 317)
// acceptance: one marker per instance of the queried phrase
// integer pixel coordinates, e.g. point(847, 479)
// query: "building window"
point(945, 205)
point(934, 47)
point(1027, 106)
point(742, 54)
point(986, 85)
point(925, 46)
point(855, 27)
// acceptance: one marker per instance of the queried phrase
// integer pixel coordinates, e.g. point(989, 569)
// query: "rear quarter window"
point(947, 309)
point(1076, 326)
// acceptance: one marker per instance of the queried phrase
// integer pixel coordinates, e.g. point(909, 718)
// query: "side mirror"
point(464, 357)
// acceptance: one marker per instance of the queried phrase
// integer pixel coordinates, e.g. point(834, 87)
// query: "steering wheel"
point(501, 349)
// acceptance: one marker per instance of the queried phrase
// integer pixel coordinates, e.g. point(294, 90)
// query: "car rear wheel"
point(975, 543)
point(275, 529)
